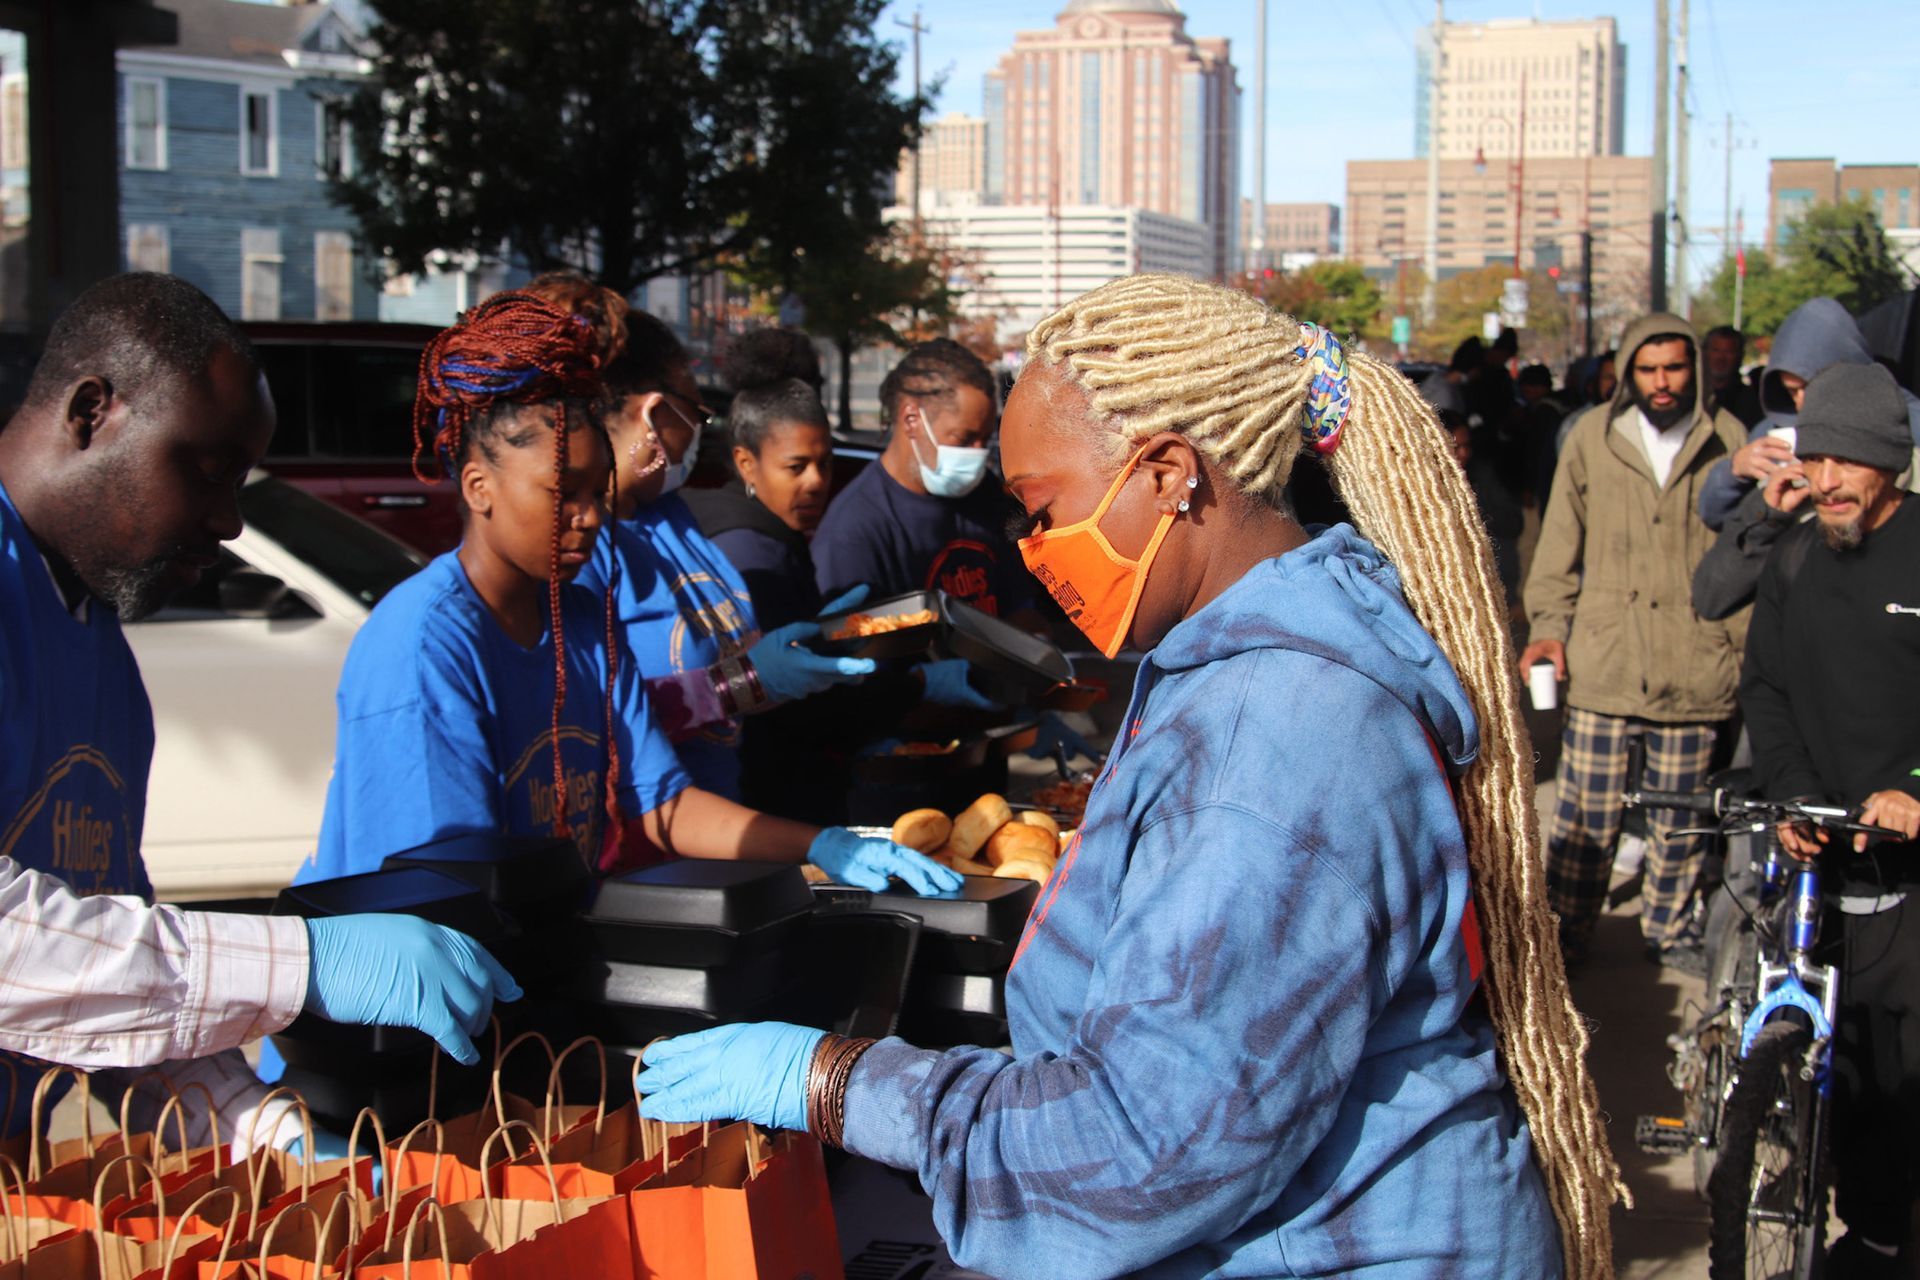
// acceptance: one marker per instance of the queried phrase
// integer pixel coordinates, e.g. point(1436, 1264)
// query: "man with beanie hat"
point(1609, 604)
point(1831, 690)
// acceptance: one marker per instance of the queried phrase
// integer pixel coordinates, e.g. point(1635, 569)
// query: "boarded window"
point(148, 248)
point(332, 275)
point(260, 264)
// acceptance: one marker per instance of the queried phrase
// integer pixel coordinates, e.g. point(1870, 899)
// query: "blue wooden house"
point(227, 138)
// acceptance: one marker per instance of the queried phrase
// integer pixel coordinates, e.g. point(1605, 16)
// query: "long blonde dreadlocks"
point(1164, 353)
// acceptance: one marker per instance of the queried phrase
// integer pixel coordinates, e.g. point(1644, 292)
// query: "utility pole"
point(1434, 81)
point(1657, 267)
point(919, 29)
point(1683, 124)
point(1259, 244)
point(1586, 251)
point(1520, 174)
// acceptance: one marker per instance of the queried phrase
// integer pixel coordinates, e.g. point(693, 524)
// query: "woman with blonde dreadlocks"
point(1253, 1030)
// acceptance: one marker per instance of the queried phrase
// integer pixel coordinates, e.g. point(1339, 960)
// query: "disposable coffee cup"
point(1543, 686)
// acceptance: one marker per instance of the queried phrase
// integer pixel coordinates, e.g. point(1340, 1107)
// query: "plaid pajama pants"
point(1586, 820)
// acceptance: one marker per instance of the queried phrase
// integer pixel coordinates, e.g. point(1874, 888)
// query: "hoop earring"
point(659, 456)
point(750, 491)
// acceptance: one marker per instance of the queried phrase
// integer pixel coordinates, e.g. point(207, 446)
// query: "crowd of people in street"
point(1349, 949)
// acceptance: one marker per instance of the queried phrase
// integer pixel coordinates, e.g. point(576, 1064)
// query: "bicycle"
point(1755, 1068)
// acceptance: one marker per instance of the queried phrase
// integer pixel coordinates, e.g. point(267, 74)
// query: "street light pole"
point(1657, 268)
point(1682, 124)
point(1520, 175)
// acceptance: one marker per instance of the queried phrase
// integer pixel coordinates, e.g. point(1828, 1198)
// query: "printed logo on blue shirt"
point(585, 787)
point(78, 817)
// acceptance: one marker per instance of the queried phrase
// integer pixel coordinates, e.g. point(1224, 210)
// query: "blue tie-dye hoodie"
point(1245, 1038)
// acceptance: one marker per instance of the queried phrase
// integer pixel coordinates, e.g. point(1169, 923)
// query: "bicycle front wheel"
point(1768, 1191)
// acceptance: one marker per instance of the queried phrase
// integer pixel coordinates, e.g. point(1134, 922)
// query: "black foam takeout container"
point(697, 912)
point(1017, 663)
point(631, 1003)
point(972, 930)
point(536, 880)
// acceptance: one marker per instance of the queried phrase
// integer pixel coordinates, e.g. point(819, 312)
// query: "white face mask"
point(675, 474)
point(955, 473)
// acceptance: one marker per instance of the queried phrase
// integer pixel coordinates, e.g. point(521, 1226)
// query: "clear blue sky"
point(1838, 79)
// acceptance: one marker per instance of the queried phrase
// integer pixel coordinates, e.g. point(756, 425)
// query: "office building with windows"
point(953, 162)
point(1573, 73)
point(1793, 186)
point(1297, 234)
point(1117, 106)
point(227, 139)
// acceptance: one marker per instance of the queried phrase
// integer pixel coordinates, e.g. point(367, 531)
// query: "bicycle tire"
point(1732, 954)
point(1765, 1170)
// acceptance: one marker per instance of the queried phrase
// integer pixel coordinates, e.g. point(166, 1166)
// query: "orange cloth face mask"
point(1097, 587)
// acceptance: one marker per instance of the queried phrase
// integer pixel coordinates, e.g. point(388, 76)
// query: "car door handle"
point(391, 501)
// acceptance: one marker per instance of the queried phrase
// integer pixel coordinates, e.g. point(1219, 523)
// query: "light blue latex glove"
point(1055, 732)
point(397, 971)
point(947, 685)
point(789, 670)
point(867, 861)
point(749, 1071)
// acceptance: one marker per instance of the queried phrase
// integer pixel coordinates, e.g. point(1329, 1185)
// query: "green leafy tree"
point(861, 293)
point(629, 140)
point(1837, 251)
point(1333, 294)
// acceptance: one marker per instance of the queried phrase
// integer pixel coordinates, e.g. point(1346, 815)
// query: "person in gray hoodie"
point(1817, 335)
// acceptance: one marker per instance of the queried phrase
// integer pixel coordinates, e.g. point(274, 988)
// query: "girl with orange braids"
point(487, 692)
point(1292, 1002)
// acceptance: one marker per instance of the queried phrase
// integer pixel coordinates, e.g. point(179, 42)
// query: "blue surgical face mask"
point(955, 472)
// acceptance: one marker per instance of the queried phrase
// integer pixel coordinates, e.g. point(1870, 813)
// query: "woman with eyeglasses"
point(684, 613)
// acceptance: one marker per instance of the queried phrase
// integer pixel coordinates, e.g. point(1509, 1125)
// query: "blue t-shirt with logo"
point(446, 728)
point(78, 742)
point(682, 606)
point(896, 541)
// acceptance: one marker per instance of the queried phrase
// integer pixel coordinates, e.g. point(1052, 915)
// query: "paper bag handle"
point(554, 1090)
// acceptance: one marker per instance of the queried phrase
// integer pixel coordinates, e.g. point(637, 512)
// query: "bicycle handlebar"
point(1724, 806)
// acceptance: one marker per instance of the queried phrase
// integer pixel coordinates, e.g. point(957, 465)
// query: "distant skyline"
point(1341, 89)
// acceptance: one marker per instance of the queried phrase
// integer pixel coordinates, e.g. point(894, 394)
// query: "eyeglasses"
point(701, 417)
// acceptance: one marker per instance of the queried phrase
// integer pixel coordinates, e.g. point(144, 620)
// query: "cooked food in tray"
point(858, 625)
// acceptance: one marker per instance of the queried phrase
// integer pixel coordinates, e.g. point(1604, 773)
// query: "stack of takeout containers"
point(692, 944)
point(515, 896)
point(957, 991)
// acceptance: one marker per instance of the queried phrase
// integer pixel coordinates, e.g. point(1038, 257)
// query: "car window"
point(351, 554)
point(286, 368)
point(363, 400)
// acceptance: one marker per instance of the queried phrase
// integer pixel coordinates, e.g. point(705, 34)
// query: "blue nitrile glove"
point(1055, 732)
point(327, 1145)
point(947, 685)
point(753, 1071)
point(867, 861)
point(398, 971)
point(851, 598)
point(789, 670)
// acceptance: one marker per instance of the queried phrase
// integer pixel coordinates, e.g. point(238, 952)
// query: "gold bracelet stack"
point(827, 1077)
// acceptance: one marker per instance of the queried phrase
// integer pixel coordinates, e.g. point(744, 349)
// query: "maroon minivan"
point(345, 396)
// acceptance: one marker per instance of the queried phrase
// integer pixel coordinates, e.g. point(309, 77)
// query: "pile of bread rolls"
point(987, 839)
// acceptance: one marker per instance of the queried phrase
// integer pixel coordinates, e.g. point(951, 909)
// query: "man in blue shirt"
point(119, 480)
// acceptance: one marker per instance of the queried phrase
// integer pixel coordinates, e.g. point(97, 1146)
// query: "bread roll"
point(923, 829)
point(1017, 840)
point(1038, 818)
point(1024, 869)
point(964, 865)
point(978, 822)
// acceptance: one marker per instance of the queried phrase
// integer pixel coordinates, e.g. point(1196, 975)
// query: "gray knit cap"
point(1855, 412)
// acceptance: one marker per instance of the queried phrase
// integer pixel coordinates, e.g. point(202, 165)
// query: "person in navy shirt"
point(465, 707)
point(119, 480)
point(922, 519)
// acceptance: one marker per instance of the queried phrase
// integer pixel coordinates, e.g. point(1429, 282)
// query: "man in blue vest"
point(119, 480)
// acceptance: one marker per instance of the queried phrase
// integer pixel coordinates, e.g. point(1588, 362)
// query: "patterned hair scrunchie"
point(1329, 396)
